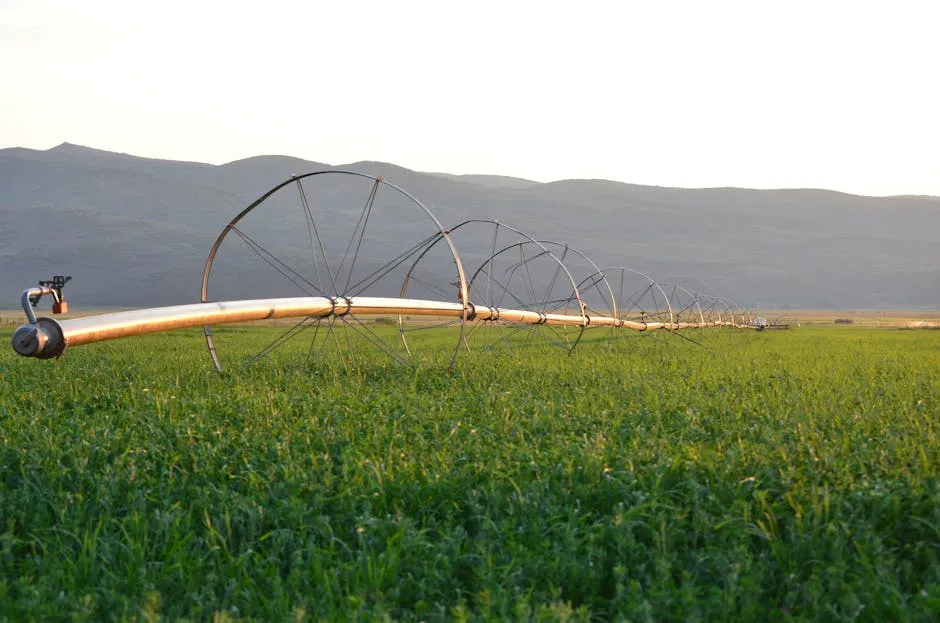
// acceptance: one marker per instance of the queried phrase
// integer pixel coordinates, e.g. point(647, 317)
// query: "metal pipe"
point(44, 337)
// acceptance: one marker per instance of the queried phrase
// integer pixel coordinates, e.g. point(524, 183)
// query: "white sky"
point(840, 95)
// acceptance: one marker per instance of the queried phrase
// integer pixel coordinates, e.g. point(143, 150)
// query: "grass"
point(764, 476)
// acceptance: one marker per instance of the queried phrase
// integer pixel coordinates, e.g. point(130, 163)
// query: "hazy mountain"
point(495, 181)
point(136, 231)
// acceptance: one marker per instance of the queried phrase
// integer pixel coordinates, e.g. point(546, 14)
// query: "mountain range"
point(135, 231)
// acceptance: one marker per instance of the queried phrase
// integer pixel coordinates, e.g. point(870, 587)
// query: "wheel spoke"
point(551, 285)
point(280, 266)
point(360, 229)
point(282, 338)
point(312, 225)
point(431, 286)
point(379, 273)
point(370, 335)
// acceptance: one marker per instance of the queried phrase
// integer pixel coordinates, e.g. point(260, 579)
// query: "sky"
point(821, 94)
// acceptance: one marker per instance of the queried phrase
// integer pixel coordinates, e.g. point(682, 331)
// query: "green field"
point(757, 476)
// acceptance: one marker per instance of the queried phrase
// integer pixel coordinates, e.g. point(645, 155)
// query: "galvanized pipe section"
point(49, 338)
point(138, 322)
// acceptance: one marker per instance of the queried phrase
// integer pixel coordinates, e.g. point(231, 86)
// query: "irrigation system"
point(333, 260)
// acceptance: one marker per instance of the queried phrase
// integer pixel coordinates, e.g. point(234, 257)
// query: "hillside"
point(135, 231)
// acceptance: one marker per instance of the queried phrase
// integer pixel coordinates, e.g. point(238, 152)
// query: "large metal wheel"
point(512, 271)
point(684, 304)
point(595, 291)
point(714, 308)
point(335, 234)
point(639, 300)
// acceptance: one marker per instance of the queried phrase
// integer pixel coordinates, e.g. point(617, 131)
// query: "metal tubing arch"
point(487, 293)
point(297, 179)
point(693, 305)
point(561, 268)
point(597, 274)
point(710, 306)
point(652, 286)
